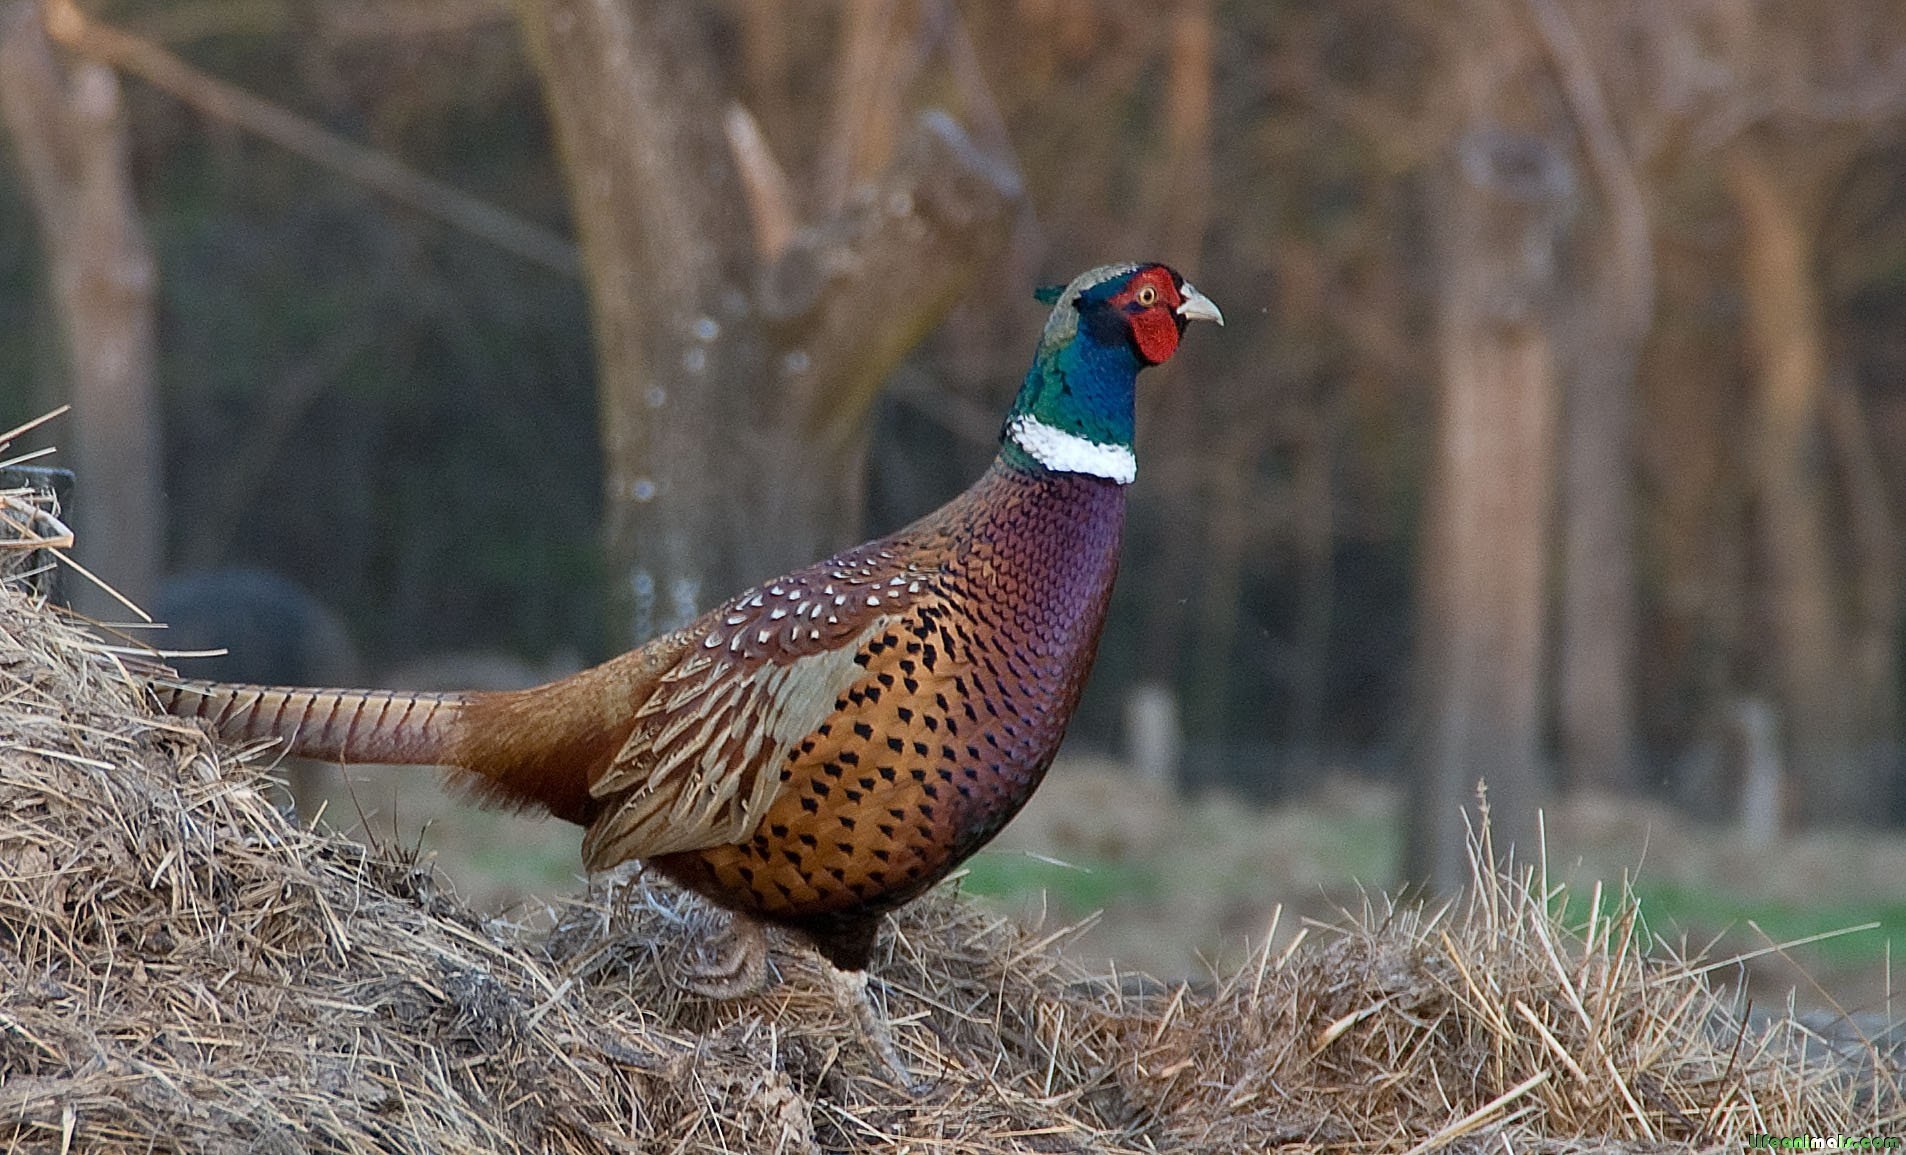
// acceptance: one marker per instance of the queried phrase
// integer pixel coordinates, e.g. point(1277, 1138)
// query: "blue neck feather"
point(1082, 386)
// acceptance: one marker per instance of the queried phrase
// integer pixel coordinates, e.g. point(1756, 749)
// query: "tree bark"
point(1186, 212)
point(654, 202)
point(1826, 713)
point(1874, 626)
point(69, 133)
point(1484, 593)
point(1595, 648)
point(737, 382)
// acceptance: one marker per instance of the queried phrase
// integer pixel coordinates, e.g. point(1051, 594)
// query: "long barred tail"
point(332, 725)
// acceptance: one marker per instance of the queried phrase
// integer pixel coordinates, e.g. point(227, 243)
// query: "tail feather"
point(332, 725)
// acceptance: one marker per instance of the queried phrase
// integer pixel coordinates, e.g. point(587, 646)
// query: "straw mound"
point(180, 969)
point(1487, 1027)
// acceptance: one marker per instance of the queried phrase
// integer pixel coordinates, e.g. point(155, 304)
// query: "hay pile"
point(181, 970)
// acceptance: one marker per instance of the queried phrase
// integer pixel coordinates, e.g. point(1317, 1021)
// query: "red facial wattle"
point(1148, 303)
point(1155, 332)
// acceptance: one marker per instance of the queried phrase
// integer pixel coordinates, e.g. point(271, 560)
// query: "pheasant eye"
point(1148, 295)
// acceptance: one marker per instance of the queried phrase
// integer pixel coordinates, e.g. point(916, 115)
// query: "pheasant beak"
point(1196, 306)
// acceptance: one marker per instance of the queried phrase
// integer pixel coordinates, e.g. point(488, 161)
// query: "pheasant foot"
point(737, 965)
point(850, 988)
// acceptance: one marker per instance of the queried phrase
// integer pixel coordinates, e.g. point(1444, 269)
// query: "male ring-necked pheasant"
point(822, 748)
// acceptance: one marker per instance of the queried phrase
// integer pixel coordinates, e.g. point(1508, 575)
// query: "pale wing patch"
point(801, 695)
point(702, 766)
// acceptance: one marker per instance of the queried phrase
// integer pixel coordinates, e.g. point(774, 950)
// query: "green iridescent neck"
point(1075, 409)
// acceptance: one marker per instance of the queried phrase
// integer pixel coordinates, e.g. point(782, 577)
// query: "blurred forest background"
point(1557, 435)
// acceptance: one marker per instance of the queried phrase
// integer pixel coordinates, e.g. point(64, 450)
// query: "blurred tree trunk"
point(739, 365)
point(1596, 650)
point(69, 134)
point(1204, 553)
point(1833, 715)
point(1877, 601)
point(634, 102)
point(1483, 656)
point(1186, 211)
point(880, 50)
point(1232, 527)
point(1595, 646)
point(1800, 588)
point(1691, 438)
point(1313, 515)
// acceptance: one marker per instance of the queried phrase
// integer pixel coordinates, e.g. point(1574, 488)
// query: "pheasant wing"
point(702, 764)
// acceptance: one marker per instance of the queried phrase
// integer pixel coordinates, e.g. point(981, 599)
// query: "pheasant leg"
point(850, 989)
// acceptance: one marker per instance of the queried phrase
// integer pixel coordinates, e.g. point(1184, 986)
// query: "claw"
point(737, 969)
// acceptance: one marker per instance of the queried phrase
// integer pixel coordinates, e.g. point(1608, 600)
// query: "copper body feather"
point(823, 747)
point(815, 751)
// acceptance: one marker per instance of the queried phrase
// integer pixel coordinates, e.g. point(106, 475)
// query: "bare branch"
point(770, 200)
point(980, 111)
point(70, 128)
point(1608, 159)
point(881, 55)
point(384, 173)
point(944, 205)
point(30, 100)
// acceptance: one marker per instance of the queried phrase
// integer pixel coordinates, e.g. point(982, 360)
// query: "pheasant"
point(824, 747)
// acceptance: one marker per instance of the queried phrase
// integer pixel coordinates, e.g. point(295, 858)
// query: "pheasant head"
point(1074, 413)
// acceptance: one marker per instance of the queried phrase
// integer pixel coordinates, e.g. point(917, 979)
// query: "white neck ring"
point(1065, 452)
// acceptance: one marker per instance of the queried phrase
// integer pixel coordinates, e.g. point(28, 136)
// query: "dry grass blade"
point(1390, 1026)
point(183, 970)
point(1480, 1115)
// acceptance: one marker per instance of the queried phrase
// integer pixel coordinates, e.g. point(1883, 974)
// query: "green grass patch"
point(1670, 911)
point(531, 868)
point(1080, 886)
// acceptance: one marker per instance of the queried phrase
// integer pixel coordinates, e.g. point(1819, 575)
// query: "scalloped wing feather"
point(702, 764)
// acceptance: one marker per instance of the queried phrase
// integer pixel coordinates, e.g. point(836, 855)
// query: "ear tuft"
point(1048, 294)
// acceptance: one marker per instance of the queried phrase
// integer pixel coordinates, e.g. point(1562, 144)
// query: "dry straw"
point(183, 970)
